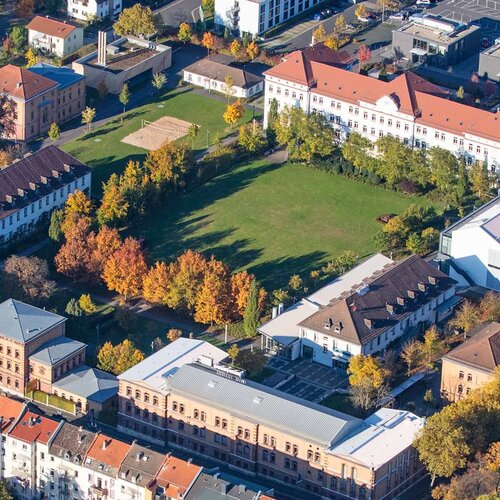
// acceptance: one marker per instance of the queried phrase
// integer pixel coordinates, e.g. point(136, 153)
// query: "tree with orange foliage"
point(77, 206)
point(234, 112)
point(240, 287)
point(72, 260)
point(213, 304)
point(102, 246)
point(364, 55)
point(124, 271)
point(208, 41)
point(156, 284)
point(187, 274)
point(252, 50)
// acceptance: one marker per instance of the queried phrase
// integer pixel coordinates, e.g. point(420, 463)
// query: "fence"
point(53, 401)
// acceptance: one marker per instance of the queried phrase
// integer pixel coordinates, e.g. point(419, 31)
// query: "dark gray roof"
point(72, 443)
point(56, 350)
point(261, 404)
point(35, 176)
point(90, 383)
point(22, 322)
point(141, 465)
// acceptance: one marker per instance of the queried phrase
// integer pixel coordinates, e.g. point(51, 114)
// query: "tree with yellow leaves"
point(213, 304)
point(340, 23)
point(319, 34)
point(88, 115)
point(362, 368)
point(77, 206)
point(31, 57)
point(361, 11)
point(234, 112)
point(114, 206)
point(87, 304)
point(124, 271)
point(240, 288)
point(252, 50)
point(235, 48)
point(118, 359)
point(333, 42)
point(185, 32)
point(156, 284)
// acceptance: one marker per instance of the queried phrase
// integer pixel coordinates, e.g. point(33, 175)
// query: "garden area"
point(274, 220)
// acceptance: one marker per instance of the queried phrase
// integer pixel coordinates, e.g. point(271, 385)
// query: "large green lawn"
point(275, 220)
point(103, 150)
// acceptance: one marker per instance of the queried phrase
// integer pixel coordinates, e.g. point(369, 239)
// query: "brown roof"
point(72, 442)
point(106, 454)
point(176, 476)
point(363, 313)
point(32, 427)
point(51, 27)
point(412, 94)
point(323, 54)
point(217, 70)
point(481, 351)
point(10, 410)
point(141, 465)
point(23, 83)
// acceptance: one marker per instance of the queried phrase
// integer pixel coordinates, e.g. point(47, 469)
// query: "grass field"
point(102, 150)
point(275, 220)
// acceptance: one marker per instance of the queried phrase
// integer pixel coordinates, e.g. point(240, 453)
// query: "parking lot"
point(312, 380)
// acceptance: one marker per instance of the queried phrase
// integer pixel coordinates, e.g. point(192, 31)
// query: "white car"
point(426, 3)
point(396, 17)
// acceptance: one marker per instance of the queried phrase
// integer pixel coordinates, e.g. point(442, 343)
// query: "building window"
point(461, 374)
point(469, 377)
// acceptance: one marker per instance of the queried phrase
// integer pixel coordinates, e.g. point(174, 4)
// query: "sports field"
point(275, 220)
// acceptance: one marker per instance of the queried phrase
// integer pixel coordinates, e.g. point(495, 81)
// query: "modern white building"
point(31, 188)
point(362, 312)
point(469, 250)
point(408, 107)
point(257, 16)
point(94, 9)
point(54, 37)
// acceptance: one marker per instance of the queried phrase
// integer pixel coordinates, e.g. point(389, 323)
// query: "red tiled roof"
point(51, 27)
point(22, 83)
point(32, 427)
point(113, 454)
point(176, 476)
point(10, 409)
point(412, 94)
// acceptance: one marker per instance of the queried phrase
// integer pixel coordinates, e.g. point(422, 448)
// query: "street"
point(178, 12)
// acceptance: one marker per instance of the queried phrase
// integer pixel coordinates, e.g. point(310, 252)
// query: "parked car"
point(426, 3)
point(322, 14)
point(397, 16)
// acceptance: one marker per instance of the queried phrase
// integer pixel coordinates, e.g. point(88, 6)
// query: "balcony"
point(98, 492)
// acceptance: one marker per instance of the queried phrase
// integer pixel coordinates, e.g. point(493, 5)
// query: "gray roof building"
point(22, 322)
point(72, 443)
point(56, 350)
point(256, 402)
point(489, 62)
point(89, 383)
point(141, 465)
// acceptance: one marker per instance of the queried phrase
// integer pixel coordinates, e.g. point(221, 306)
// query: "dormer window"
point(328, 323)
point(412, 294)
point(432, 280)
point(400, 301)
point(337, 328)
point(390, 309)
point(369, 323)
point(422, 287)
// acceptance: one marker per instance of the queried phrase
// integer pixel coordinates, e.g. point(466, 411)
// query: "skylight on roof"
point(212, 384)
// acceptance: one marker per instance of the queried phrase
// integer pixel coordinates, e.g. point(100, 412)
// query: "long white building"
point(31, 188)
point(408, 107)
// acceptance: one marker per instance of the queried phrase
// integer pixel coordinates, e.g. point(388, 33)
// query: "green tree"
point(252, 312)
point(193, 133)
point(114, 206)
point(394, 159)
point(208, 7)
point(54, 132)
point(159, 81)
point(19, 38)
point(480, 180)
point(272, 117)
point(73, 308)
point(55, 227)
point(124, 98)
point(4, 491)
point(432, 346)
point(88, 115)
point(136, 20)
point(444, 171)
point(251, 137)
point(185, 33)
point(252, 362)
point(357, 150)
point(466, 317)
point(412, 354)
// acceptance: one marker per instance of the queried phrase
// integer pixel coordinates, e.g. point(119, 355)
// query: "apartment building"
point(143, 389)
point(10, 412)
point(26, 443)
point(471, 364)
point(373, 305)
point(436, 41)
point(87, 10)
point(273, 435)
point(469, 249)
point(39, 101)
point(408, 107)
point(255, 17)
point(31, 188)
point(55, 37)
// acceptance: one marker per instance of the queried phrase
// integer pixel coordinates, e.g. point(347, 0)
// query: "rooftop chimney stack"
point(101, 48)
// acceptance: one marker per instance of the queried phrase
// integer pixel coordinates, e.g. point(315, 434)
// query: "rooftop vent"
point(105, 444)
point(257, 400)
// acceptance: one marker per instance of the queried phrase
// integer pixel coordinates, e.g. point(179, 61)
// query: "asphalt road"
point(7, 16)
point(179, 11)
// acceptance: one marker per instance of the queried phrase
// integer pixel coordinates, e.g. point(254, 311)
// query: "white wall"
point(78, 10)
point(20, 462)
point(209, 83)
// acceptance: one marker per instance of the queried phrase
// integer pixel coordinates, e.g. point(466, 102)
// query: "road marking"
point(159, 11)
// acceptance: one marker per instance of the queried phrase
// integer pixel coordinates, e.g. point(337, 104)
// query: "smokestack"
point(275, 312)
point(101, 48)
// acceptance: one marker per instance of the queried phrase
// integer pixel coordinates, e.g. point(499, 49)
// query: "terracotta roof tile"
point(10, 409)
point(176, 476)
point(107, 451)
point(51, 27)
point(22, 83)
point(32, 427)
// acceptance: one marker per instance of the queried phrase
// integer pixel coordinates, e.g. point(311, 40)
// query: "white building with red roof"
point(408, 107)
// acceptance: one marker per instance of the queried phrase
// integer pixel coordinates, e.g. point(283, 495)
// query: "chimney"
point(105, 444)
point(281, 308)
point(275, 312)
point(223, 487)
point(101, 48)
point(242, 489)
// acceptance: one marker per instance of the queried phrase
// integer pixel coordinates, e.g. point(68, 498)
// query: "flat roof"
point(284, 328)
point(493, 51)
point(384, 435)
point(155, 369)
point(276, 409)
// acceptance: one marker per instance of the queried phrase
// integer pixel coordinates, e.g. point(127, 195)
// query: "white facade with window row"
point(90, 9)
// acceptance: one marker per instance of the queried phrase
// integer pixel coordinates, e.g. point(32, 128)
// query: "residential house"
point(471, 364)
point(39, 101)
point(26, 442)
point(10, 412)
point(213, 73)
point(103, 461)
point(175, 478)
point(31, 188)
point(469, 250)
point(143, 388)
point(52, 36)
point(87, 10)
point(65, 464)
point(436, 41)
point(376, 304)
point(416, 111)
